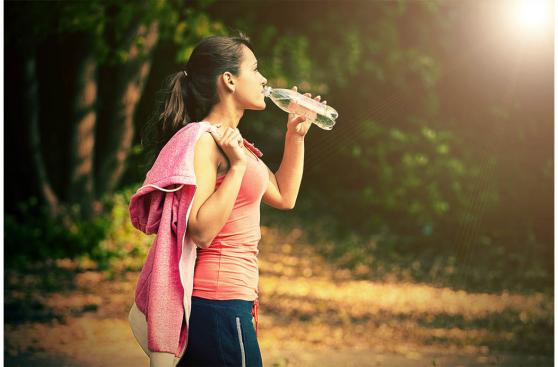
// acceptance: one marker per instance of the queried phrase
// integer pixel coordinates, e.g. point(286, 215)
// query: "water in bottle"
point(293, 102)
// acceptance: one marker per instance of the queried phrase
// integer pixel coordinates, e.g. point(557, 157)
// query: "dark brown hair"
point(184, 99)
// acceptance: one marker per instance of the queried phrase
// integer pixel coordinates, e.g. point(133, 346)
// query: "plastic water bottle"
point(320, 114)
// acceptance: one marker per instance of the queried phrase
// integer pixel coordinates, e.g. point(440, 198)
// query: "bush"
point(123, 247)
point(33, 235)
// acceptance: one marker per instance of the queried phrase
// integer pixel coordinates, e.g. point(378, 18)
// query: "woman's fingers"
point(317, 98)
point(215, 134)
point(295, 88)
point(238, 137)
point(309, 95)
point(234, 136)
point(228, 135)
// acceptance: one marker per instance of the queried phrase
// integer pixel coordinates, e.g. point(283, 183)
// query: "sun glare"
point(532, 14)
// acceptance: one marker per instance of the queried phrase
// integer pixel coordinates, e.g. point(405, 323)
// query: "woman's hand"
point(297, 124)
point(232, 143)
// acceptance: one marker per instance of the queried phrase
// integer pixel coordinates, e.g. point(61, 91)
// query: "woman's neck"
point(225, 114)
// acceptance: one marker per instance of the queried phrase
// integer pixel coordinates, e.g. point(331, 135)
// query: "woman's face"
point(250, 83)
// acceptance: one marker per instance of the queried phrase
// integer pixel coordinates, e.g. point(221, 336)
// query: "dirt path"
point(311, 314)
point(120, 350)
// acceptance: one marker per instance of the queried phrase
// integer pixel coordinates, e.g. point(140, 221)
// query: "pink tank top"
point(228, 268)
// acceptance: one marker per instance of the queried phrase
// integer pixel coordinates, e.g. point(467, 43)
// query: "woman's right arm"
point(211, 208)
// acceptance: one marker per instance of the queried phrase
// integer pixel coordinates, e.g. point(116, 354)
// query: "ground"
point(311, 314)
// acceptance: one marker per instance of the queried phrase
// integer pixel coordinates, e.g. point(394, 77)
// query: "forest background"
point(439, 170)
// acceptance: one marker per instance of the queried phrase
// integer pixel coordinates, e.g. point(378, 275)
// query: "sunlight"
point(532, 15)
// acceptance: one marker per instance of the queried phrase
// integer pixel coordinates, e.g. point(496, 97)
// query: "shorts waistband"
point(229, 303)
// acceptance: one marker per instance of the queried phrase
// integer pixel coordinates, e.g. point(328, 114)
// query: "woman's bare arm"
point(211, 208)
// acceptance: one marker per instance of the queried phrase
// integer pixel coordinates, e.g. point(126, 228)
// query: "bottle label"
point(303, 108)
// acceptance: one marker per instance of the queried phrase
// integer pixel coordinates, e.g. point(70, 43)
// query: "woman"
point(220, 81)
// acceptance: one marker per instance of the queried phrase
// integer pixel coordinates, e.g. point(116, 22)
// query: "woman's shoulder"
point(210, 153)
point(207, 146)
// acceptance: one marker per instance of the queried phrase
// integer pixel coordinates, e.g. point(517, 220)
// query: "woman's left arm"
point(284, 185)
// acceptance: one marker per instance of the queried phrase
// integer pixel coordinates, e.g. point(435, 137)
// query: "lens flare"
point(532, 14)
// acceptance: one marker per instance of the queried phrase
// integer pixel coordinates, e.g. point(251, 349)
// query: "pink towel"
point(162, 206)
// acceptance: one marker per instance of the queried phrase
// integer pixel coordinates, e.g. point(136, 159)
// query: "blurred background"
point(423, 230)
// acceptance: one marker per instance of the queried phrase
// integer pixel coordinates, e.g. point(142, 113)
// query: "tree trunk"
point(32, 106)
point(128, 86)
point(81, 190)
point(47, 193)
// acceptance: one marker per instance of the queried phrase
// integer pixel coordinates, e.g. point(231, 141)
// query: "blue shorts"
point(221, 333)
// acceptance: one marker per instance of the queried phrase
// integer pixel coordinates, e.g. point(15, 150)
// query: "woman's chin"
point(258, 106)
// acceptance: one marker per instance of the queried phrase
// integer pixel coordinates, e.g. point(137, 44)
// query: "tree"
point(104, 38)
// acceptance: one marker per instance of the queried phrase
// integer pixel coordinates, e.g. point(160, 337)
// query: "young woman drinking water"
point(219, 82)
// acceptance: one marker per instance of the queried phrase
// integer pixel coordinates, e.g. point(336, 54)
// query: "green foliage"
point(33, 235)
point(396, 163)
point(36, 237)
point(123, 244)
point(406, 178)
point(191, 28)
point(290, 57)
point(110, 25)
point(400, 167)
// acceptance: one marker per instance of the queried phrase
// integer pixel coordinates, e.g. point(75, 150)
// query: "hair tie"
point(185, 73)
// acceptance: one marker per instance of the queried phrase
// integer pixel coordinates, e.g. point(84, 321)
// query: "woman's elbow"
point(288, 206)
point(198, 240)
point(201, 244)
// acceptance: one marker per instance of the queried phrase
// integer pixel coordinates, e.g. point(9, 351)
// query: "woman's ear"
point(228, 78)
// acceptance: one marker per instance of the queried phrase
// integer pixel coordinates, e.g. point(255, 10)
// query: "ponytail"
point(190, 95)
point(170, 116)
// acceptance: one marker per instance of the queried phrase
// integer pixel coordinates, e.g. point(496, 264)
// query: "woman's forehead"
point(249, 57)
